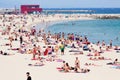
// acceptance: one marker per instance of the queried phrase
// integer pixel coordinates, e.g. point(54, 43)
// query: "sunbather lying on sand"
point(115, 62)
point(5, 53)
point(99, 58)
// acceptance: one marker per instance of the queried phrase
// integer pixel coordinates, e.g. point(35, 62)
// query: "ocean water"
point(95, 10)
point(95, 30)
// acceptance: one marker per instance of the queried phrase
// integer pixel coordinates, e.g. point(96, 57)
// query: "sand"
point(14, 67)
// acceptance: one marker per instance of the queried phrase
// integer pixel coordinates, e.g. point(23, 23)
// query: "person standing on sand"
point(28, 76)
point(34, 52)
point(11, 40)
point(62, 47)
point(21, 39)
point(110, 43)
point(56, 49)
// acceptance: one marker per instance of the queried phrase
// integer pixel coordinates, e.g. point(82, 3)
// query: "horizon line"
point(66, 7)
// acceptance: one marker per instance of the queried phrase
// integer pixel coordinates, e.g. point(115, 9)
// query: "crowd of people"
point(76, 68)
point(40, 43)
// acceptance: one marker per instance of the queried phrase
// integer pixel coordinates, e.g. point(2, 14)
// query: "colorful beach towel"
point(116, 67)
point(72, 71)
point(59, 60)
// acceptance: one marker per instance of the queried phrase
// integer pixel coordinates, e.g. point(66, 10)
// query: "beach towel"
point(100, 59)
point(34, 59)
point(116, 67)
point(5, 54)
point(74, 51)
point(59, 60)
point(118, 51)
point(89, 55)
point(116, 64)
point(46, 52)
point(82, 70)
point(76, 54)
point(86, 42)
point(15, 49)
point(93, 65)
point(36, 65)
point(60, 70)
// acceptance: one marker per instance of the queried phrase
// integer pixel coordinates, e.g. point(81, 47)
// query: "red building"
point(30, 8)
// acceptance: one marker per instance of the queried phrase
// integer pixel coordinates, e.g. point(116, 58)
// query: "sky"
point(62, 3)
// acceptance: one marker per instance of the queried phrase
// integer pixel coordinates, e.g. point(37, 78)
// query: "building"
point(9, 11)
point(30, 9)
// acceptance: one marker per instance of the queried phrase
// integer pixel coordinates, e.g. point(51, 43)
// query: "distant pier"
point(68, 11)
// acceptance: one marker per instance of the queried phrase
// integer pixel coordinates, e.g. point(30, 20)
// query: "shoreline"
point(80, 17)
point(45, 21)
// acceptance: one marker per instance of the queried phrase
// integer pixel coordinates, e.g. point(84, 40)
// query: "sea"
point(95, 30)
point(93, 10)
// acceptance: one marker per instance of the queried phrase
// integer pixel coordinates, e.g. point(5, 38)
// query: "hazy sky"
point(63, 3)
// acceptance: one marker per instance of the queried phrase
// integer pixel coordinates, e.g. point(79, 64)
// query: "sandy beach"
point(16, 56)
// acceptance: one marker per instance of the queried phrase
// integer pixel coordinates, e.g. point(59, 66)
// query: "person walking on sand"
point(34, 52)
point(28, 76)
